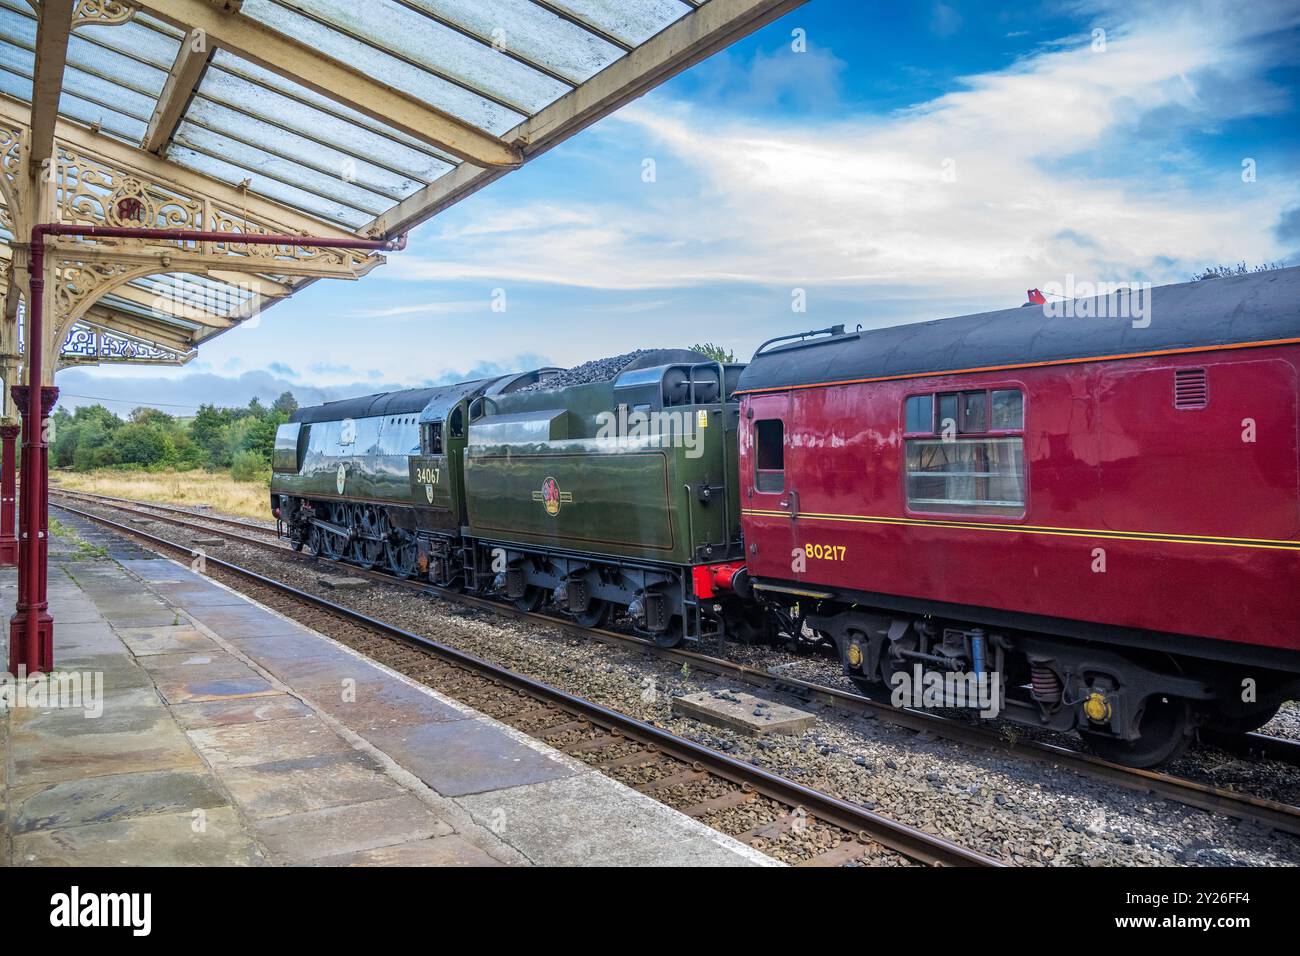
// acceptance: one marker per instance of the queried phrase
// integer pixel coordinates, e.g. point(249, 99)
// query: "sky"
point(865, 163)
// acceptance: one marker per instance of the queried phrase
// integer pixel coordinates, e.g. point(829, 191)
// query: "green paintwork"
point(375, 463)
point(625, 497)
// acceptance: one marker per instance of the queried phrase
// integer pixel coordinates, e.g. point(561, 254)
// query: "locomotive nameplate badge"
point(552, 497)
point(428, 493)
point(702, 418)
point(341, 478)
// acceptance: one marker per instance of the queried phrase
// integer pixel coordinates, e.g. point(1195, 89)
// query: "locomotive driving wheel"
point(400, 549)
point(367, 550)
point(331, 545)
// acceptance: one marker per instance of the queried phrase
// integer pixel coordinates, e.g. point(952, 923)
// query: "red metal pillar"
point(31, 629)
point(8, 495)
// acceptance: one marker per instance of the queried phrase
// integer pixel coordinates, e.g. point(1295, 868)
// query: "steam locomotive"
point(1099, 515)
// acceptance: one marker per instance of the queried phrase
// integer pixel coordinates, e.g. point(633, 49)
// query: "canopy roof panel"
point(362, 118)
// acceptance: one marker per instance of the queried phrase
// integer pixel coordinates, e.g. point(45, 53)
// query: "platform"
point(231, 735)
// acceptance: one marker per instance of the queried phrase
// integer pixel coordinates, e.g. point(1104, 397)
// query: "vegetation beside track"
point(187, 489)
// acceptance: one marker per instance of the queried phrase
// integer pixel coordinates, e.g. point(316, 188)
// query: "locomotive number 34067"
point(428, 476)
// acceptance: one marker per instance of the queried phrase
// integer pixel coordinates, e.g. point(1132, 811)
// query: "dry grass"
point(217, 490)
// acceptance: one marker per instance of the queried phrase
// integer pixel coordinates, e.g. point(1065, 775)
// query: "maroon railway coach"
point(1102, 508)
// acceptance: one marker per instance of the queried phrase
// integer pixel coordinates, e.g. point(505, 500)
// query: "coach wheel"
point(1163, 733)
point(596, 614)
point(1235, 725)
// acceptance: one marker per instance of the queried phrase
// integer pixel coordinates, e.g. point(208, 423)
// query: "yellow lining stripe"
point(1149, 536)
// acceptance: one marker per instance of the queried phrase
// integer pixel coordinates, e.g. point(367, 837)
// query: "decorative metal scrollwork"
point(91, 344)
point(105, 13)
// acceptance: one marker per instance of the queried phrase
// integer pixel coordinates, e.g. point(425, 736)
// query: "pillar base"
point(8, 496)
point(31, 649)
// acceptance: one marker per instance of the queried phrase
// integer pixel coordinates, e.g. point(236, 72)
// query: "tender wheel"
point(596, 615)
point(671, 636)
point(531, 599)
point(1164, 728)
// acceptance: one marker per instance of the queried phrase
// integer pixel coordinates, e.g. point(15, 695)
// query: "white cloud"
point(1055, 172)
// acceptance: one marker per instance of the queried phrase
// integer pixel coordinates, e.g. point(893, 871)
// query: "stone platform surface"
point(223, 733)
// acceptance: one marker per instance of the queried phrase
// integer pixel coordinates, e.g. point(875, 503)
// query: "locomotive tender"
point(1099, 513)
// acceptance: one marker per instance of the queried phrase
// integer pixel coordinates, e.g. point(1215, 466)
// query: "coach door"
point(770, 501)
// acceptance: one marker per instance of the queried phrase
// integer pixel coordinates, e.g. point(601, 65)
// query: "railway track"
point(1192, 793)
point(611, 741)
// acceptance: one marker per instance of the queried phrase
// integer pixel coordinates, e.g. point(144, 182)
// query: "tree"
point(139, 444)
point(150, 416)
point(715, 352)
point(259, 437)
point(285, 404)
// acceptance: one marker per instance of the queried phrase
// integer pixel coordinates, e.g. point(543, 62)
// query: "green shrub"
point(249, 466)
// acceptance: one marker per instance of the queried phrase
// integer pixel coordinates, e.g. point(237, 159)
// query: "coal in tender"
point(597, 370)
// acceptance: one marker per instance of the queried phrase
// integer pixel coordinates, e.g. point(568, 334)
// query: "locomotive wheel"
point(1164, 734)
point(531, 599)
point(366, 552)
point(596, 615)
point(332, 546)
point(312, 540)
point(399, 556)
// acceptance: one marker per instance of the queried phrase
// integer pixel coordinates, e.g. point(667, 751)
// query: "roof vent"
point(1190, 390)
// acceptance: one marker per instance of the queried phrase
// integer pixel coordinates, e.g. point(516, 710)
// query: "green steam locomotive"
point(607, 488)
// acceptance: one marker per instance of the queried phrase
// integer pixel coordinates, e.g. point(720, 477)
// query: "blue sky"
point(915, 160)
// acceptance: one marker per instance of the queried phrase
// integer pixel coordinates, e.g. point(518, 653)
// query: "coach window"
point(919, 418)
point(978, 468)
point(769, 455)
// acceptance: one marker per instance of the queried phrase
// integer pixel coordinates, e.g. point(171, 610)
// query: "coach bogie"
point(1137, 709)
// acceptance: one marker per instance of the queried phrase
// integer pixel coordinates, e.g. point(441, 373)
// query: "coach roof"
point(1259, 307)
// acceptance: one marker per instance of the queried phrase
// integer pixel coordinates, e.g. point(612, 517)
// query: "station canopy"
point(323, 117)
